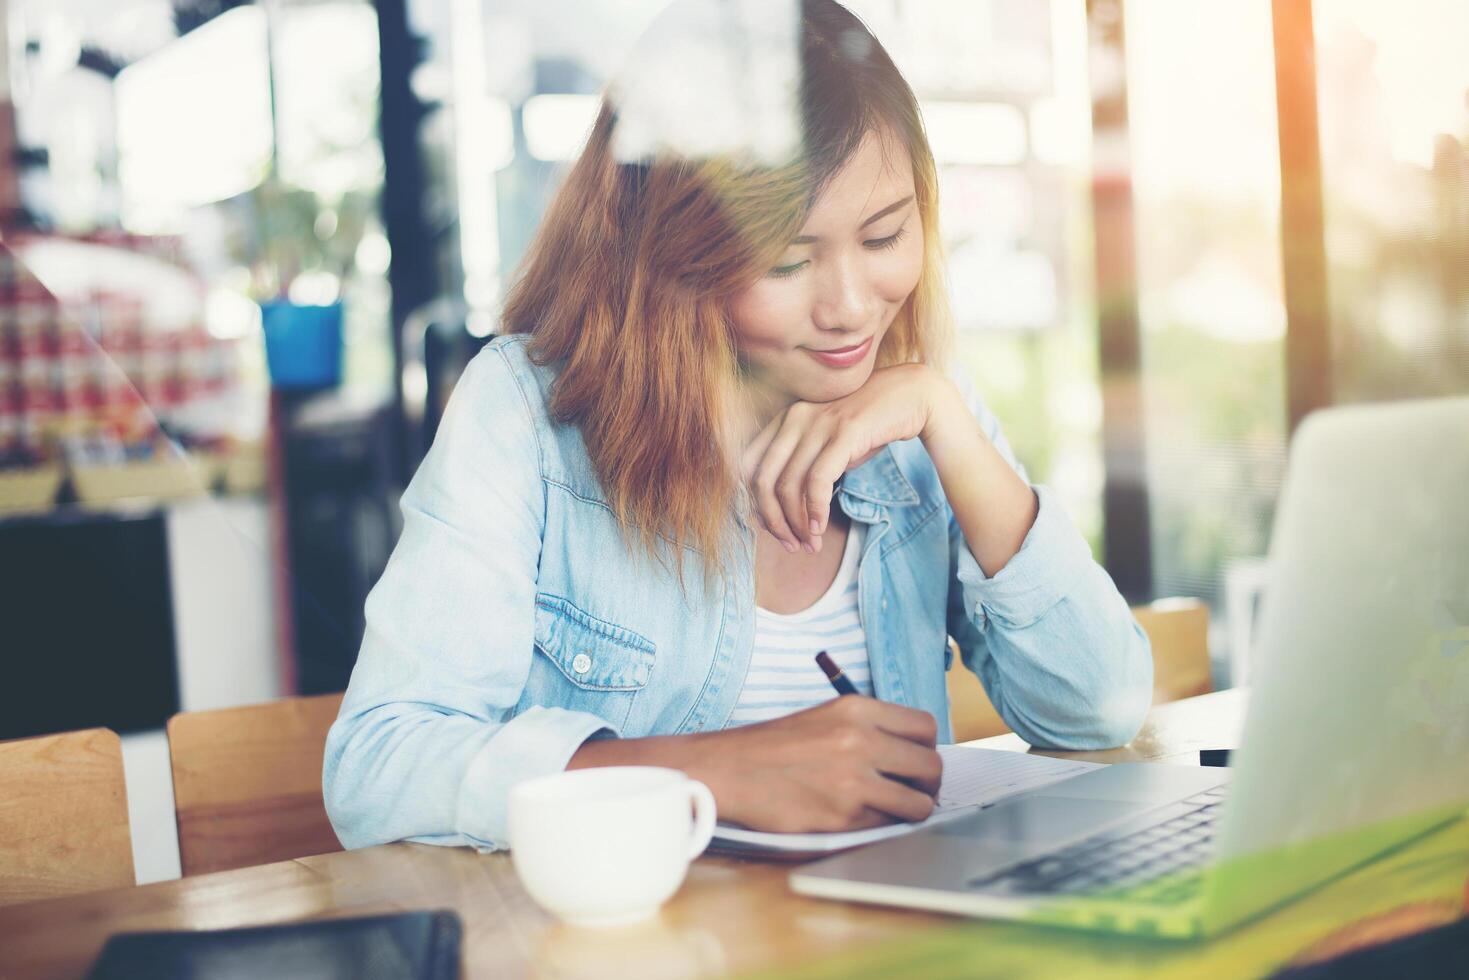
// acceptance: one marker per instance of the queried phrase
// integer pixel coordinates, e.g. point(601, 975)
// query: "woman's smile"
point(841, 357)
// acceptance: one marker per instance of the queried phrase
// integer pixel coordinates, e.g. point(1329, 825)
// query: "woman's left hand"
point(793, 465)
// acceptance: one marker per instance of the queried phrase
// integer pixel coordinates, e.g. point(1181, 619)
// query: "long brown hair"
point(626, 285)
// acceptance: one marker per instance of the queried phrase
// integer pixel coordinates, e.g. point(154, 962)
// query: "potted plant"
point(298, 248)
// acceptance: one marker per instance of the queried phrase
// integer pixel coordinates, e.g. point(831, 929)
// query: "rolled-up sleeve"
point(425, 747)
point(1059, 652)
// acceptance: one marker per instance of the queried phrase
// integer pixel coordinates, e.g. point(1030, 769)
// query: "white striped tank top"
point(783, 675)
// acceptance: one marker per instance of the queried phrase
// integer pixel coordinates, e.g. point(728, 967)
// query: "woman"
point(714, 440)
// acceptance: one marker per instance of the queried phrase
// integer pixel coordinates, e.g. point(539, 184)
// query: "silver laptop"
point(1356, 738)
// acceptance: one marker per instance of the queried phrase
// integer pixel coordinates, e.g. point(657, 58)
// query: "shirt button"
point(581, 663)
point(884, 603)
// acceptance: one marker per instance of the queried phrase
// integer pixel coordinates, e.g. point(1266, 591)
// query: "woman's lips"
point(845, 357)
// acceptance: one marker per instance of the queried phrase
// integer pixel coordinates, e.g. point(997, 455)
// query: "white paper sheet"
point(973, 778)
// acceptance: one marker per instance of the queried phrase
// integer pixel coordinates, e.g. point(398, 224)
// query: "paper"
point(973, 778)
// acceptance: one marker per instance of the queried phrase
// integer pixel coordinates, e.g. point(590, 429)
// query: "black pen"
point(834, 674)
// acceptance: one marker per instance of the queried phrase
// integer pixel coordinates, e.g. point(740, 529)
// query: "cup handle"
point(704, 815)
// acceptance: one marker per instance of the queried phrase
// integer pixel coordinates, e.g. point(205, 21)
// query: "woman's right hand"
point(846, 764)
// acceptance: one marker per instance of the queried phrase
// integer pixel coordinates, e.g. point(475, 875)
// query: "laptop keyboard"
point(1159, 863)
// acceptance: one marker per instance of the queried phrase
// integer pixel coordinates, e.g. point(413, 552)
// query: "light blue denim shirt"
point(513, 623)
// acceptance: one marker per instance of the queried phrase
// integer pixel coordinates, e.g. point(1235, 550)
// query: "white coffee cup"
point(607, 846)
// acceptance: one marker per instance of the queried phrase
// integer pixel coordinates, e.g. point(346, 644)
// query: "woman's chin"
point(835, 384)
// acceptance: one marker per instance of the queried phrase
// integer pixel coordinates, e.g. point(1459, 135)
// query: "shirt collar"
point(877, 481)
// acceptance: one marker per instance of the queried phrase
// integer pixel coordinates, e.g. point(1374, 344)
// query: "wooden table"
point(1174, 732)
point(731, 915)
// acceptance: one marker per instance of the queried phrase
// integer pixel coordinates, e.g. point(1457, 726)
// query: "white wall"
point(220, 562)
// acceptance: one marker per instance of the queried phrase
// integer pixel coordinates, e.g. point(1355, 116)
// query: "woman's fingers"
point(922, 768)
point(750, 462)
point(820, 480)
point(767, 472)
point(791, 486)
point(896, 719)
point(898, 800)
point(755, 451)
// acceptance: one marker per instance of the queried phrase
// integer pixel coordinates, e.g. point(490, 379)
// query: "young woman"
point(715, 439)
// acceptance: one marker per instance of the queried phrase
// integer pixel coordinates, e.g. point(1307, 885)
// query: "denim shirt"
point(513, 622)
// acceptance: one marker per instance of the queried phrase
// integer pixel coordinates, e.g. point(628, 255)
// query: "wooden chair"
point(247, 783)
point(1178, 630)
point(63, 816)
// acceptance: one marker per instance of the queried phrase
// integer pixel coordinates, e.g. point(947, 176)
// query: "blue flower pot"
point(303, 344)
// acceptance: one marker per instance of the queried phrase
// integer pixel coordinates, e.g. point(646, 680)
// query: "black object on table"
point(403, 946)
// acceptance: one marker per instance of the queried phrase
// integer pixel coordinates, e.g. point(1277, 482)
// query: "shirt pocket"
point(593, 654)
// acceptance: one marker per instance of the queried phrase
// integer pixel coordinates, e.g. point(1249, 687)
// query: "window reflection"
point(1394, 102)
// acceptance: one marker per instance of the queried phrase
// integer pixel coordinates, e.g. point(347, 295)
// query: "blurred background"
point(247, 248)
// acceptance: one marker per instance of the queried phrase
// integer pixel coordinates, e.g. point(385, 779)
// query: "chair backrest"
point(247, 783)
point(63, 816)
point(1178, 630)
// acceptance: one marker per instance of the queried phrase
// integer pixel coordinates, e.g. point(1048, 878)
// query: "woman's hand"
point(846, 764)
point(836, 766)
point(793, 465)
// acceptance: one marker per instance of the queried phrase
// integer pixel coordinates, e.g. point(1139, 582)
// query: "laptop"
point(1356, 738)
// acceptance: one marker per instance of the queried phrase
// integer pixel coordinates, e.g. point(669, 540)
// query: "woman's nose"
point(844, 297)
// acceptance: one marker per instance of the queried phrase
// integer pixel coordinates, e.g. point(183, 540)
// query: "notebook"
point(973, 778)
point(403, 946)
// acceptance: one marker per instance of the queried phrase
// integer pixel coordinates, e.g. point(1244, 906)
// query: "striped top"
point(783, 674)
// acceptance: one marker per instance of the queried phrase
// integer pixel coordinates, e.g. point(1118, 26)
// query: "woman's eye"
point(781, 271)
point(889, 242)
point(872, 244)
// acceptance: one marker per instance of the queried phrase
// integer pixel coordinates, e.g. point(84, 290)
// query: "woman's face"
point(809, 329)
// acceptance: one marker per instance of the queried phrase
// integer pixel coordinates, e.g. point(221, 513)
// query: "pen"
point(834, 674)
point(844, 685)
